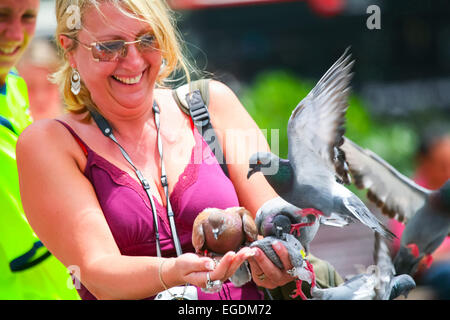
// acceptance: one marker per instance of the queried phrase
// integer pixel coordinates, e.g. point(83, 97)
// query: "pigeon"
point(313, 174)
point(426, 213)
point(390, 285)
point(302, 223)
point(359, 287)
point(378, 282)
point(219, 231)
point(216, 232)
point(302, 269)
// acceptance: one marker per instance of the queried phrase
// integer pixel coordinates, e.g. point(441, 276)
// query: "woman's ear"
point(67, 43)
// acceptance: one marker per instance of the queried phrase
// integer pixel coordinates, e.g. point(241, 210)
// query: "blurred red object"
point(327, 8)
point(201, 4)
point(324, 8)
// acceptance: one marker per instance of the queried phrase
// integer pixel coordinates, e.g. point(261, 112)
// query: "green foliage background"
point(274, 94)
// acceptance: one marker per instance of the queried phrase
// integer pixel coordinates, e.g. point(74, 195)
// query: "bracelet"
point(160, 274)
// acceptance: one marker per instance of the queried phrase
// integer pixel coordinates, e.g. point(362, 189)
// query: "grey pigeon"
point(359, 287)
point(426, 213)
point(302, 270)
point(307, 179)
point(389, 285)
point(377, 283)
point(303, 224)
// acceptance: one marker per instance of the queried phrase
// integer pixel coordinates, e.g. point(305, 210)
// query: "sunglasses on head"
point(112, 50)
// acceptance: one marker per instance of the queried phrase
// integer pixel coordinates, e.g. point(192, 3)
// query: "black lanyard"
point(106, 129)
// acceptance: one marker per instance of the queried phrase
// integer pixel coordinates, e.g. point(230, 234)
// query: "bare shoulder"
point(40, 133)
point(225, 108)
point(220, 93)
point(45, 138)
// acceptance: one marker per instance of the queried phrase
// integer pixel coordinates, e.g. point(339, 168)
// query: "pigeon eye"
point(258, 162)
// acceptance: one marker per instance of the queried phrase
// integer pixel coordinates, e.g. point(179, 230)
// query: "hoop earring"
point(75, 82)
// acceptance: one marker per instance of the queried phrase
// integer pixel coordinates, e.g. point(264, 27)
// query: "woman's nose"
point(133, 57)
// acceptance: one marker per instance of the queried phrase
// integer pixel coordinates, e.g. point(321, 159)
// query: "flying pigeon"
point(426, 213)
point(216, 232)
point(303, 223)
point(310, 177)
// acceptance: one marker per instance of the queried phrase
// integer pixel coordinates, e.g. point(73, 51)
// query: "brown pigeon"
point(216, 231)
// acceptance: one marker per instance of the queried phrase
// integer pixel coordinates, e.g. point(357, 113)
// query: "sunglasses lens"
point(147, 42)
point(108, 50)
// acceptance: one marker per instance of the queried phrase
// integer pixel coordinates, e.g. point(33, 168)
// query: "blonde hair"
point(154, 12)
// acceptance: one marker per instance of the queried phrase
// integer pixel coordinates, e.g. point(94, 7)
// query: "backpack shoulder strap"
point(180, 93)
point(193, 99)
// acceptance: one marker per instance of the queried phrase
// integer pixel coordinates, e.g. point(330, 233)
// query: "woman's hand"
point(192, 268)
point(265, 273)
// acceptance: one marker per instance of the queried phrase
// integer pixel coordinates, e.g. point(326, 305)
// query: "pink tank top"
point(128, 212)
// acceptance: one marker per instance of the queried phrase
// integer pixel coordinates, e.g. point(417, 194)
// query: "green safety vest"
point(27, 269)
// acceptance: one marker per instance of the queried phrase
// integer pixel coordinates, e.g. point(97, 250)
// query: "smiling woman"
point(113, 206)
point(152, 20)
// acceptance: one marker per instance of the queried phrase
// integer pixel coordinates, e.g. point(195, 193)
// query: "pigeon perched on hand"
point(302, 269)
point(216, 232)
point(426, 213)
point(307, 179)
point(219, 231)
point(302, 223)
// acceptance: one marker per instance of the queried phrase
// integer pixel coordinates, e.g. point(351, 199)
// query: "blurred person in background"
point(432, 171)
point(27, 269)
point(38, 62)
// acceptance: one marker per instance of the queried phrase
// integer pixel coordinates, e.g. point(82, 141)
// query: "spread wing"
point(316, 126)
point(395, 194)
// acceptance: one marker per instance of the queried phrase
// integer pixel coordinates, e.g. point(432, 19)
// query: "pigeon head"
point(280, 225)
point(278, 172)
point(401, 285)
point(261, 162)
point(216, 222)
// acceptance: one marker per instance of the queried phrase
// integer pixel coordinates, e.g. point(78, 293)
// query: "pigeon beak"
point(215, 232)
point(253, 170)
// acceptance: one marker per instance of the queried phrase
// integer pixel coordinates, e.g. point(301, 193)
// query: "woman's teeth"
point(128, 80)
point(8, 51)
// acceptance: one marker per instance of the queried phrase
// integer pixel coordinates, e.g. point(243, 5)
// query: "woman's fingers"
point(265, 273)
point(258, 275)
point(283, 254)
point(240, 257)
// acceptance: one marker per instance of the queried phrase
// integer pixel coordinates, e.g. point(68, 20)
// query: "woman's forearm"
point(128, 277)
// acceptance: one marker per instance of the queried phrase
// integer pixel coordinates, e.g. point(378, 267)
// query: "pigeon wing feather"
point(397, 195)
point(316, 126)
